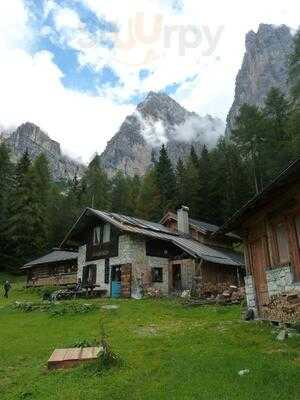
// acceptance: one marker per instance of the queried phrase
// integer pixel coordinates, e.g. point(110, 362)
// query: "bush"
point(107, 357)
point(79, 342)
point(56, 309)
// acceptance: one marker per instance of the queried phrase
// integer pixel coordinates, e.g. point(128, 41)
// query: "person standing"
point(6, 287)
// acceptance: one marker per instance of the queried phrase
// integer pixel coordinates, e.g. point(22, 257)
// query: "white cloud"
point(31, 90)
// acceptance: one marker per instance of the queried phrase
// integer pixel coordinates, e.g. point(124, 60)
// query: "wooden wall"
point(53, 274)
point(264, 246)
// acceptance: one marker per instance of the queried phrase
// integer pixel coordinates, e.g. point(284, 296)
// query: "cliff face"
point(31, 138)
point(265, 65)
point(158, 119)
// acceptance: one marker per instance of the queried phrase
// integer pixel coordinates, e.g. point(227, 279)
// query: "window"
point(297, 225)
point(106, 233)
point(89, 274)
point(282, 243)
point(97, 235)
point(157, 275)
point(106, 271)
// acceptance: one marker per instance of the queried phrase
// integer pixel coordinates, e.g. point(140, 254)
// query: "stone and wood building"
point(270, 226)
point(122, 254)
point(57, 268)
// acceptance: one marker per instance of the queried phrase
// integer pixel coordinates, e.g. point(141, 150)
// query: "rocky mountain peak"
point(29, 137)
point(265, 65)
point(157, 120)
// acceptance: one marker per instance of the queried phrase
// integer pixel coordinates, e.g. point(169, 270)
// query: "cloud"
point(152, 130)
point(32, 90)
point(205, 130)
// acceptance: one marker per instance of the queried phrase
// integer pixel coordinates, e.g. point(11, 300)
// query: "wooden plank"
point(67, 358)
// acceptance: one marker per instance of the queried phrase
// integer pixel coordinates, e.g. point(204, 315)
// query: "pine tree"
point(191, 184)
point(206, 208)
point(294, 70)
point(231, 180)
point(182, 193)
point(20, 224)
point(6, 177)
point(134, 187)
point(149, 200)
point(96, 186)
point(249, 136)
point(166, 180)
point(39, 176)
point(120, 193)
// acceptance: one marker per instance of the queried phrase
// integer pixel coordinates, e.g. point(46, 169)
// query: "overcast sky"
point(76, 68)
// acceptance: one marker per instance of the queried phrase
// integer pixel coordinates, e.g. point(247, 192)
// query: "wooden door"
point(126, 272)
point(258, 263)
point(176, 277)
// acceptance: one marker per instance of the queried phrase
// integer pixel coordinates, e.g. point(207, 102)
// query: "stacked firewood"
point(216, 294)
point(283, 308)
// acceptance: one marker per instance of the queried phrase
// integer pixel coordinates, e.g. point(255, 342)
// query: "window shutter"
point(282, 241)
point(85, 274)
point(106, 271)
point(93, 273)
point(106, 233)
point(297, 224)
point(97, 235)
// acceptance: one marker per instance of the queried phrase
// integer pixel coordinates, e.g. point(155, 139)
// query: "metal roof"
point(202, 226)
point(154, 230)
point(291, 173)
point(56, 255)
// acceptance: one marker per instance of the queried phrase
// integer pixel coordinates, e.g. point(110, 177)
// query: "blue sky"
point(78, 67)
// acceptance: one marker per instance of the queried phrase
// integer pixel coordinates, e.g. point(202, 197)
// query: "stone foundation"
point(279, 280)
point(250, 293)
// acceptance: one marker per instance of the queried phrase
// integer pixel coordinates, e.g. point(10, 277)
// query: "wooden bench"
point(67, 358)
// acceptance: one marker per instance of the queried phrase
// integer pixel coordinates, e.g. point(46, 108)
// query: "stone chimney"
point(183, 220)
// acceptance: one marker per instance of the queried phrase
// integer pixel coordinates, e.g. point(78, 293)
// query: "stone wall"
point(250, 293)
point(157, 262)
point(100, 265)
point(281, 280)
point(187, 272)
point(132, 250)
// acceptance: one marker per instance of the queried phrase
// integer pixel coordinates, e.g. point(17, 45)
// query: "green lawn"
point(168, 352)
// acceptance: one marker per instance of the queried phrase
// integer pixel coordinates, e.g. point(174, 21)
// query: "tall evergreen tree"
point(96, 186)
point(39, 176)
point(6, 178)
point(249, 136)
point(120, 193)
point(166, 180)
point(294, 70)
point(20, 224)
point(149, 204)
point(182, 193)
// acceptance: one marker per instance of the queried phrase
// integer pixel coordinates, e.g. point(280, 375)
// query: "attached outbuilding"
point(270, 226)
point(123, 254)
point(59, 267)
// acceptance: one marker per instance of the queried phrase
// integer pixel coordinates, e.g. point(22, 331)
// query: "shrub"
point(80, 342)
point(107, 357)
point(56, 309)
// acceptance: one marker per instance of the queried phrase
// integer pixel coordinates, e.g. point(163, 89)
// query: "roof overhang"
point(137, 227)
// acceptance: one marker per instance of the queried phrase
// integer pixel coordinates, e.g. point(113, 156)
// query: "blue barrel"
point(115, 289)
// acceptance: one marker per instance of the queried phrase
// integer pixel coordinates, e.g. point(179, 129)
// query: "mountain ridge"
point(29, 137)
point(265, 65)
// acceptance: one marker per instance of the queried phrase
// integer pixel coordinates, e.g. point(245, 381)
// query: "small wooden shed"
point(270, 226)
point(59, 267)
